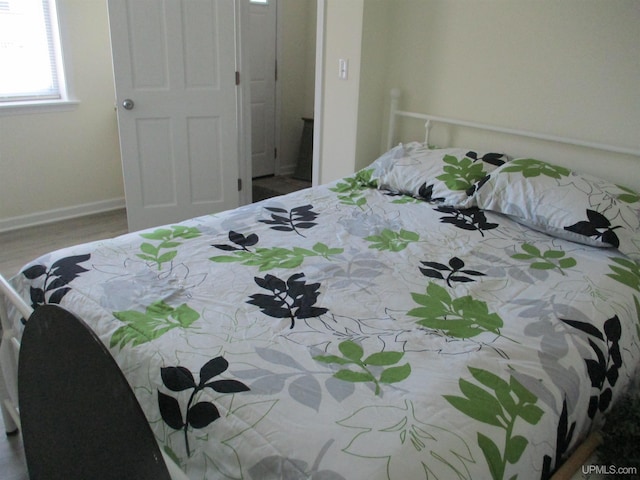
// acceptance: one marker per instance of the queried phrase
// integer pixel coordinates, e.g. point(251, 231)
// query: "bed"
point(442, 313)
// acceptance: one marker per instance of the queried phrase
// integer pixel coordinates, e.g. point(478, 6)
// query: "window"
point(30, 54)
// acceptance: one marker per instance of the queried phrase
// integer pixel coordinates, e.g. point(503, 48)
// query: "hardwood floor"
point(18, 247)
point(12, 462)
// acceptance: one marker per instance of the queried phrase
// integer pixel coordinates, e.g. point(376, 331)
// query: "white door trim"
point(244, 101)
point(278, 99)
point(318, 105)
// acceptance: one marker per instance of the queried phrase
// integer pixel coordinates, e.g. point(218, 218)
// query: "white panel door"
point(174, 68)
point(262, 58)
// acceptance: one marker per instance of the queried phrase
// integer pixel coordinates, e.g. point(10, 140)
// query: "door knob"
point(128, 104)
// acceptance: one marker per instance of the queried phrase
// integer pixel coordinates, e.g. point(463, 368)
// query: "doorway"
point(295, 58)
point(178, 113)
point(262, 60)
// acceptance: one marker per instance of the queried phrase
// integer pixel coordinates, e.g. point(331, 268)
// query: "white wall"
point(342, 40)
point(541, 64)
point(66, 161)
point(373, 85)
point(567, 67)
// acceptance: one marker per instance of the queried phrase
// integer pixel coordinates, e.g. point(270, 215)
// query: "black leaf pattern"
point(212, 368)
point(425, 192)
point(598, 227)
point(603, 370)
point(291, 299)
point(170, 411)
point(455, 267)
point(475, 187)
point(466, 219)
point(56, 279)
point(34, 272)
point(564, 435)
point(496, 159)
point(177, 379)
point(240, 240)
point(585, 327)
point(201, 414)
point(291, 221)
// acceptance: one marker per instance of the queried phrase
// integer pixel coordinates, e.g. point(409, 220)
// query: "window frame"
point(67, 100)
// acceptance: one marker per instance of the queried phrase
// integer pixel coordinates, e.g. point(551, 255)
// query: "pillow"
point(435, 175)
point(563, 203)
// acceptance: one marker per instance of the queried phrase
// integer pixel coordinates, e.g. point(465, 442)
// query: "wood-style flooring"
point(12, 463)
point(18, 247)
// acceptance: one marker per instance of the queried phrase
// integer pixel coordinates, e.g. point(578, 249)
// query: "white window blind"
point(30, 55)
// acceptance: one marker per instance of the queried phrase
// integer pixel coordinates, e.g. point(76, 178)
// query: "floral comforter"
point(345, 332)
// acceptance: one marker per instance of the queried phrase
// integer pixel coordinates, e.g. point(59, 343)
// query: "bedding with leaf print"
point(432, 174)
point(564, 203)
point(348, 332)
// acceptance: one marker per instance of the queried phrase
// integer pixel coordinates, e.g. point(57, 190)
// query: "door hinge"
point(275, 153)
point(237, 78)
point(276, 71)
point(239, 184)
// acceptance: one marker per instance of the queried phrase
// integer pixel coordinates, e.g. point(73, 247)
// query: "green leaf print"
point(629, 196)
point(392, 241)
point(158, 319)
point(499, 404)
point(352, 355)
point(404, 199)
point(492, 455)
point(277, 257)
point(548, 260)
point(462, 317)
point(530, 167)
point(351, 190)
point(167, 238)
point(626, 272)
point(461, 174)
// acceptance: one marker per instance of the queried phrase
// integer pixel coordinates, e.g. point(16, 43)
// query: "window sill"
point(51, 106)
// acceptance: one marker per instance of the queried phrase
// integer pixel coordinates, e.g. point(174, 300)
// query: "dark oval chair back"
point(80, 419)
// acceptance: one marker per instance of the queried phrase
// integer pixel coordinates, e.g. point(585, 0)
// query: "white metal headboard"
point(395, 113)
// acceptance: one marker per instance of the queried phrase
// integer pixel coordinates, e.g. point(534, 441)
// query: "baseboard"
point(286, 170)
point(55, 215)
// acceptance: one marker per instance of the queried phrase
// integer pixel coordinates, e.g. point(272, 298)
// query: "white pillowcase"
point(445, 176)
point(565, 204)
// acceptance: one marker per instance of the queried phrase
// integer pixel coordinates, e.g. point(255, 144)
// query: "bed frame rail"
point(396, 113)
point(9, 348)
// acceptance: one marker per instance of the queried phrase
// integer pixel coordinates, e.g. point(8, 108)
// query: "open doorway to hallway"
point(283, 167)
